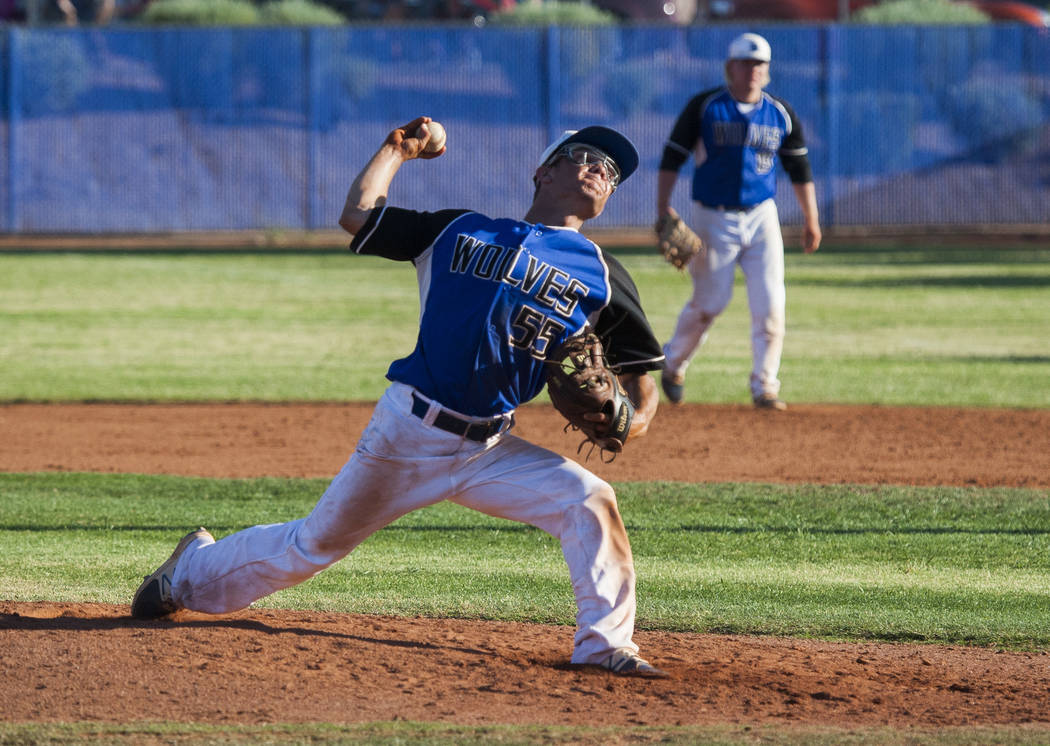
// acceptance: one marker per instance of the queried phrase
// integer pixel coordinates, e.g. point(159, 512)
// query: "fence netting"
point(147, 130)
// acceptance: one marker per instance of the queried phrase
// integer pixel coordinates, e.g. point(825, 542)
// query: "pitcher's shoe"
point(673, 387)
point(770, 401)
point(626, 662)
point(153, 598)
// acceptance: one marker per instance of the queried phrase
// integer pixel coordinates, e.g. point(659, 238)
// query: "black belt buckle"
point(481, 431)
point(476, 431)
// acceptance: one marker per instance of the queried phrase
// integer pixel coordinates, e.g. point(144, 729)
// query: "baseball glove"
point(580, 383)
point(677, 241)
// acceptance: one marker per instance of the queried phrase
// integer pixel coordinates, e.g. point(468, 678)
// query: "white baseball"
point(437, 136)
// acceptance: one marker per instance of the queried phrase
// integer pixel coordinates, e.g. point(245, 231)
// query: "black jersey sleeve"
point(686, 132)
point(400, 234)
point(623, 328)
point(793, 151)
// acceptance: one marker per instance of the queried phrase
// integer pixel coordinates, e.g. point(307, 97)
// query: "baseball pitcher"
point(499, 298)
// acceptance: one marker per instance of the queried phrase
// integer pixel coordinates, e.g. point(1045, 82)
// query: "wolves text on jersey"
point(550, 286)
point(760, 136)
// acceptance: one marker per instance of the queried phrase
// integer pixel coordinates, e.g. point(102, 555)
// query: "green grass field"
point(903, 327)
point(959, 566)
point(932, 565)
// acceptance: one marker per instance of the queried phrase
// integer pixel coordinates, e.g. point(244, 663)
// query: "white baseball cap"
point(606, 139)
point(749, 47)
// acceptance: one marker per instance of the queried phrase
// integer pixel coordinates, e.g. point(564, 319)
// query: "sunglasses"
point(584, 155)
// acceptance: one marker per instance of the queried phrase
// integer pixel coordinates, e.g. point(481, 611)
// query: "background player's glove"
point(677, 241)
point(580, 383)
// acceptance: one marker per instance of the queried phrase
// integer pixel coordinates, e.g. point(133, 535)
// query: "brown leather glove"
point(580, 383)
point(676, 240)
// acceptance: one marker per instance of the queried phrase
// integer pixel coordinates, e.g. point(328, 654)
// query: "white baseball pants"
point(754, 241)
point(402, 463)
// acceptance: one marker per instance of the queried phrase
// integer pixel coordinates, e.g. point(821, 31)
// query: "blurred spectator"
point(68, 12)
point(74, 12)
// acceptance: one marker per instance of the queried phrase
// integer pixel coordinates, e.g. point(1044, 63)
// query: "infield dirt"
point(91, 662)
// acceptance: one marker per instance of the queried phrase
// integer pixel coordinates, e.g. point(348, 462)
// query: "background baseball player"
point(737, 132)
point(496, 296)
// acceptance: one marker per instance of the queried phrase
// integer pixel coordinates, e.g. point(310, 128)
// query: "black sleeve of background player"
point(685, 133)
point(793, 151)
point(400, 234)
point(623, 329)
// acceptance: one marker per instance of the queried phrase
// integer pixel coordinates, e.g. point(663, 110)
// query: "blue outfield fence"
point(145, 130)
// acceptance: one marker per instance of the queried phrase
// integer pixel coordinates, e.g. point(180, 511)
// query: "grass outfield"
point(960, 566)
point(885, 327)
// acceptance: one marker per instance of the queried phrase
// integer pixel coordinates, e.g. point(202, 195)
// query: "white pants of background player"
point(753, 240)
point(402, 464)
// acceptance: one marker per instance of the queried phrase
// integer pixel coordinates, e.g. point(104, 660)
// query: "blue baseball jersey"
point(496, 295)
point(736, 165)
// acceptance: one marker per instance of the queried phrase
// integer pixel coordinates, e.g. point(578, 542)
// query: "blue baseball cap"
point(606, 139)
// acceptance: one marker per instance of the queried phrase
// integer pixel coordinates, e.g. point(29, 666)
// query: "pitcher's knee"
point(602, 499)
point(603, 514)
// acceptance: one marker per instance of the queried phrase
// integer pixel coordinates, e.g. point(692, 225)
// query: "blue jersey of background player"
point(740, 148)
point(496, 296)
